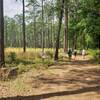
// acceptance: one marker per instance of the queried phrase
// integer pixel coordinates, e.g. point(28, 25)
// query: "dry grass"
point(32, 58)
point(31, 54)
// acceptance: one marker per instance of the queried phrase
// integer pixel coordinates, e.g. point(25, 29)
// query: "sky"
point(11, 7)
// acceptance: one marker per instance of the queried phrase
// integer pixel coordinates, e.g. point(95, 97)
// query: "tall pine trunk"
point(1, 34)
point(42, 28)
point(65, 26)
point(34, 27)
point(24, 37)
point(6, 34)
point(59, 30)
point(53, 22)
point(75, 41)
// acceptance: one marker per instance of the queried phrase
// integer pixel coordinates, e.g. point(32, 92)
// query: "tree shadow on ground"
point(76, 62)
point(87, 77)
point(62, 93)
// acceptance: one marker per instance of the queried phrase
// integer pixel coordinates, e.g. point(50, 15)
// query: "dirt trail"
point(76, 80)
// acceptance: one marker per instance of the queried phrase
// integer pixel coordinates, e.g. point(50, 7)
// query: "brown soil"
point(75, 80)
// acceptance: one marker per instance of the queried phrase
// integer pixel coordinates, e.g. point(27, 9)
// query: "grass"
point(19, 86)
point(32, 58)
point(14, 57)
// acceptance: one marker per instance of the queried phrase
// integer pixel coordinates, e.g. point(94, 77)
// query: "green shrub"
point(49, 54)
point(47, 62)
point(95, 54)
point(22, 68)
point(12, 57)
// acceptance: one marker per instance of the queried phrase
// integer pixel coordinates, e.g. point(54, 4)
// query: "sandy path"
point(76, 80)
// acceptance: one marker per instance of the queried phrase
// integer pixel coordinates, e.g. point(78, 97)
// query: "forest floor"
point(75, 80)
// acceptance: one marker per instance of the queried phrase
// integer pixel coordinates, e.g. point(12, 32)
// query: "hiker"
point(70, 54)
point(83, 53)
point(75, 53)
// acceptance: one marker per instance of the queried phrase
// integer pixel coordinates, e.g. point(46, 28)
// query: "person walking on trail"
point(70, 54)
point(83, 53)
point(75, 53)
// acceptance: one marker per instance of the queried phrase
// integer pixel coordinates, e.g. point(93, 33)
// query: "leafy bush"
point(48, 62)
point(95, 54)
point(12, 57)
point(22, 68)
point(49, 54)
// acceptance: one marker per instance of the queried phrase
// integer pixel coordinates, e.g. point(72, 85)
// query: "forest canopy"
point(83, 24)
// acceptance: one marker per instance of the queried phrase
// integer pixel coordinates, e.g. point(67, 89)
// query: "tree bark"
point(6, 34)
point(42, 28)
point(1, 34)
point(59, 29)
point(24, 37)
point(75, 38)
point(34, 35)
point(65, 26)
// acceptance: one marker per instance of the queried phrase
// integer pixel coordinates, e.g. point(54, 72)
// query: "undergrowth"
point(29, 60)
point(95, 55)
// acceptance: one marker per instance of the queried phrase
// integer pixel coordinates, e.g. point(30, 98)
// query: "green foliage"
point(49, 54)
point(83, 19)
point(95, 54)
point(23, 68)
point(47, 62)
point(12, 57)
